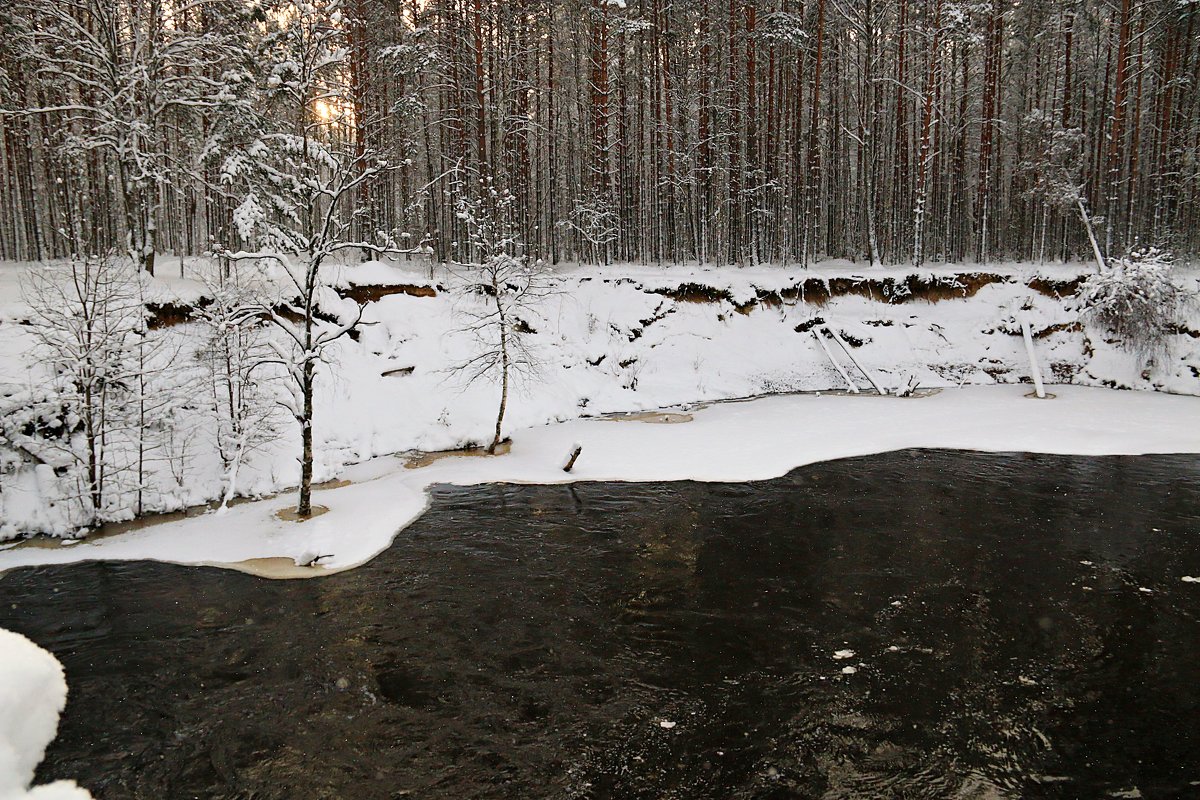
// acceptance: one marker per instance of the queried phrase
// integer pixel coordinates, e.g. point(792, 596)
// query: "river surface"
point(915, 625)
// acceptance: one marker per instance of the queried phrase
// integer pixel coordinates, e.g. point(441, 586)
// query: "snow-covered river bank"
point(617, 339)
point(679, 344)
point(739, 441)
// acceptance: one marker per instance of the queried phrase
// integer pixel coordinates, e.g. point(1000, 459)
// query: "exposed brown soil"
point(813, 290)
point(818, 291)
point(695, 293)
point(167, 315)
point(1053, 288)
point(419, 460)
point(289, 514)
point(930, 289)
point(1062, 327)
point(369, 293)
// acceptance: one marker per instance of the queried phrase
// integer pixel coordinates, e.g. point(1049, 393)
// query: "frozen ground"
point(620, 339)
point(748, 440)
point(33, 692)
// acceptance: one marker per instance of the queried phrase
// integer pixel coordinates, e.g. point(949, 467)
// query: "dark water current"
point(1019, 628)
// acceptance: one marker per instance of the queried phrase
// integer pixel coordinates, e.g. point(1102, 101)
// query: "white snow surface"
point(735, 441)
point(33, 692)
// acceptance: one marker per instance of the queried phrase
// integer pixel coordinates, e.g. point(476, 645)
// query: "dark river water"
point(1018, 623)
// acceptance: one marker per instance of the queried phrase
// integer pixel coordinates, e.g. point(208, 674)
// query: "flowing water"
point(1018, 627)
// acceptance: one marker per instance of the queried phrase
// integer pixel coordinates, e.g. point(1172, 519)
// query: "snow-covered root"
point(33, 692)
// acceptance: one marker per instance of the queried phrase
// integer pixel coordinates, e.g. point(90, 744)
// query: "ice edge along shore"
point(738, 441)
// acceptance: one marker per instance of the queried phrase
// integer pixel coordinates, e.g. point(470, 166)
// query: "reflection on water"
point(1018, 626)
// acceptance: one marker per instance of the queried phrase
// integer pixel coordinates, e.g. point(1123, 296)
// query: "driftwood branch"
point(576, 449)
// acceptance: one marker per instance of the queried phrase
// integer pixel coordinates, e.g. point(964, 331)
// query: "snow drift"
point(33, 692)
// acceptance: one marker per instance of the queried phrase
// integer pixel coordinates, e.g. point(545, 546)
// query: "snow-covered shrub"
point(88, 321)
point(112, 392)
point(236, 356)
point(496, 271)
point(1135, 299)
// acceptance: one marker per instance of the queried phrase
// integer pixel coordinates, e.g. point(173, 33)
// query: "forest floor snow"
point(753, 439)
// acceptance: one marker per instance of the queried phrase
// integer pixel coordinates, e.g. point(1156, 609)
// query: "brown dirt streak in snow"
point(1056, 288)
point(170, 314)
point(695, 293)
point(419, 460)
point(369, 293)
point(930, 289)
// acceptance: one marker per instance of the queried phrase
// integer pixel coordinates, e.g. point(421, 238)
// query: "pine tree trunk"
point(813, 178)
point(923, 155)
point(1116, 137)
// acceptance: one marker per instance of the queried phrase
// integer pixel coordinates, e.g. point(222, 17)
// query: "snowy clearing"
point(737, 441)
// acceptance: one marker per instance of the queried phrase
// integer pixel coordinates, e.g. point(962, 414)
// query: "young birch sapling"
point(503, 287)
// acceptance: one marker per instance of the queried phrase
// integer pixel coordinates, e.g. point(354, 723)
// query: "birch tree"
point(503, 285)
point(236, 356)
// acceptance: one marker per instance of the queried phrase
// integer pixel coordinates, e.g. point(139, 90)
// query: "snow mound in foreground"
point(33, 692)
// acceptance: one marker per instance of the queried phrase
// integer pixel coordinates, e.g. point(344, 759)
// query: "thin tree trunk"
point(812, 181)
point(304, 507)
point(927, 123)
